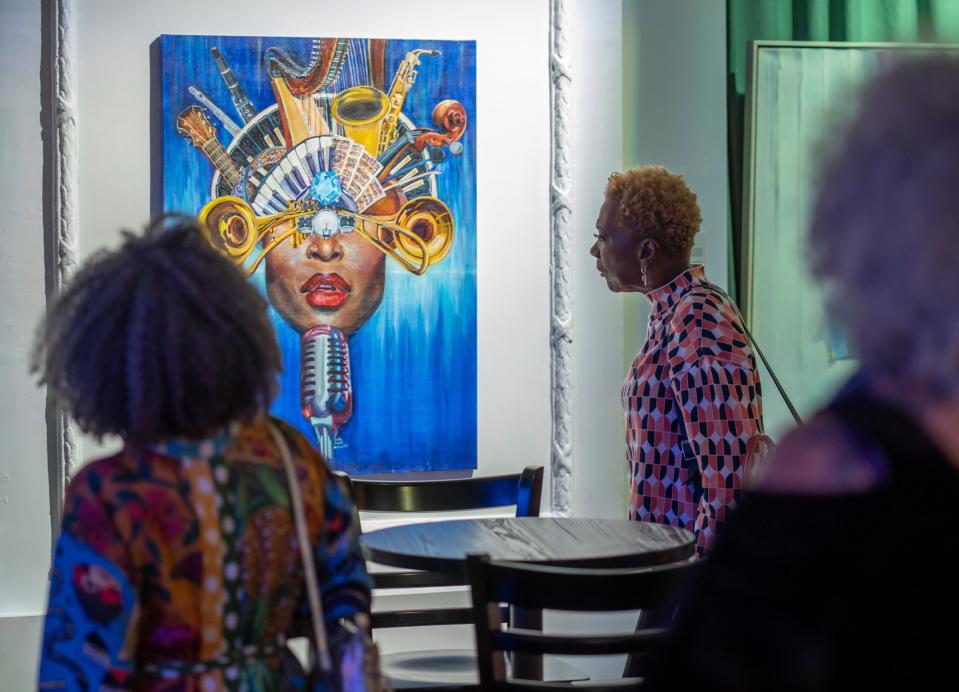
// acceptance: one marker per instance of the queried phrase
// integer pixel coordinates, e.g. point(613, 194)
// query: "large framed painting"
point(799, 96)
point(339, 174)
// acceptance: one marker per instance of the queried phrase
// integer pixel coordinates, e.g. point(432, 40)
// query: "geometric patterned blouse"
point(692, 402)
point(178, 567)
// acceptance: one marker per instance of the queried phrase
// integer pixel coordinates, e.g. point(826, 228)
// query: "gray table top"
point(600, 543)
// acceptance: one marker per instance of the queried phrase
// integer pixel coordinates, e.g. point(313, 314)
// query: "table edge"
point(457, 565)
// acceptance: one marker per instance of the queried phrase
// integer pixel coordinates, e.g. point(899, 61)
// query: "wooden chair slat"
point(415, 580)
point(535, 642)
point(562, 588)
point(524, 490)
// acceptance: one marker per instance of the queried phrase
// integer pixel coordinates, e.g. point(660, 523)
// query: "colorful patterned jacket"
point(692, 401)
point(178, 567)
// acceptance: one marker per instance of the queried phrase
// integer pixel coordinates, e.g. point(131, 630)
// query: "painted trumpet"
point(420, 234)
point(232, 228)
point(426, 233)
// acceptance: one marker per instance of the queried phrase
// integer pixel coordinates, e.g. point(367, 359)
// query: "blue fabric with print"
point(91, 604)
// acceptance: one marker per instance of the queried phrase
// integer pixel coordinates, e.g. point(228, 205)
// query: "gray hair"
point(885, 227)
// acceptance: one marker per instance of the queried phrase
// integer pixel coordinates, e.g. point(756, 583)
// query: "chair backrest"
point(521, 489)
point(561, 588)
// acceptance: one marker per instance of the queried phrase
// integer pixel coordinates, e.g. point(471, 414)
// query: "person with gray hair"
point(837, 572)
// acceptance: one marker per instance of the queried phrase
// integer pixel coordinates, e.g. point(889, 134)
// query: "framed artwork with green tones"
point(799, 95)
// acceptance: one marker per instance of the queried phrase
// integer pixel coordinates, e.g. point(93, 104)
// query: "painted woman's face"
point(336, 281)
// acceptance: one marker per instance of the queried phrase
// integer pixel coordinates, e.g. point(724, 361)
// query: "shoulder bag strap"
point(309, 566)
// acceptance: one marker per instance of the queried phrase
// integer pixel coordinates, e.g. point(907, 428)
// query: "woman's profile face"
point(336, 281)
point(616, 252)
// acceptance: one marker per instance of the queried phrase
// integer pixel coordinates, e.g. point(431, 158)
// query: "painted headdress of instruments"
point(323, 184)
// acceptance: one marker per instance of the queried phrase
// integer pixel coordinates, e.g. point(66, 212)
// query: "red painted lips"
point(325, 290)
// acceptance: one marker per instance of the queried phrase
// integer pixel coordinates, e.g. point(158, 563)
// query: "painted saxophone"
point(402, 81)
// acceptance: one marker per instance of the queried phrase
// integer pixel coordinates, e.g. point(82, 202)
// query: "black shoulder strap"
point(759, 352)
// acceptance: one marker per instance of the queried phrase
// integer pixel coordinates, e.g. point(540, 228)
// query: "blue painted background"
point(415, 360)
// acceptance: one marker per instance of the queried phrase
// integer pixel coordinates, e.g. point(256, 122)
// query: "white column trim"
point(61, 107)
point(561, 296)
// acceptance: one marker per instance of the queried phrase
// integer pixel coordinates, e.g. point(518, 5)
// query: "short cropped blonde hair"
point(654, 203)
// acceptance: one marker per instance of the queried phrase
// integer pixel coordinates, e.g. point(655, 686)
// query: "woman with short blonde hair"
point(692, 399)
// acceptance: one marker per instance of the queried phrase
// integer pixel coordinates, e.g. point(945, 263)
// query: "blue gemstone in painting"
point(325, 188)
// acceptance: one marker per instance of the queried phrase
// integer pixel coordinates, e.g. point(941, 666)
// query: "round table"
point(442, 546)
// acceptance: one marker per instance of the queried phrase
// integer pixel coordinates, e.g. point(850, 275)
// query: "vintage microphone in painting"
point(326, 389)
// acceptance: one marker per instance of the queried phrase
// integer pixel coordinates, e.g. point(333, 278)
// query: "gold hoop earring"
point(644, 275)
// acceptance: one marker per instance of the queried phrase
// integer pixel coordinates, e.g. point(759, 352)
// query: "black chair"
point(412, 671)
point(521, 489)
point(536, 587)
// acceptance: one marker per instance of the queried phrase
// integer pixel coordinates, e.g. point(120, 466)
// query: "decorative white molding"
point(63, 436)
point(561, 299)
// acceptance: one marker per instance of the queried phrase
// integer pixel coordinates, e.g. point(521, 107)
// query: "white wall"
point(599, 438)
point(512, 189)
point(675, 115)
point(24, 504)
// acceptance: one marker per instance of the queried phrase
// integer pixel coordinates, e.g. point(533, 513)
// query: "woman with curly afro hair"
point(692, 398)
point(178, 566)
